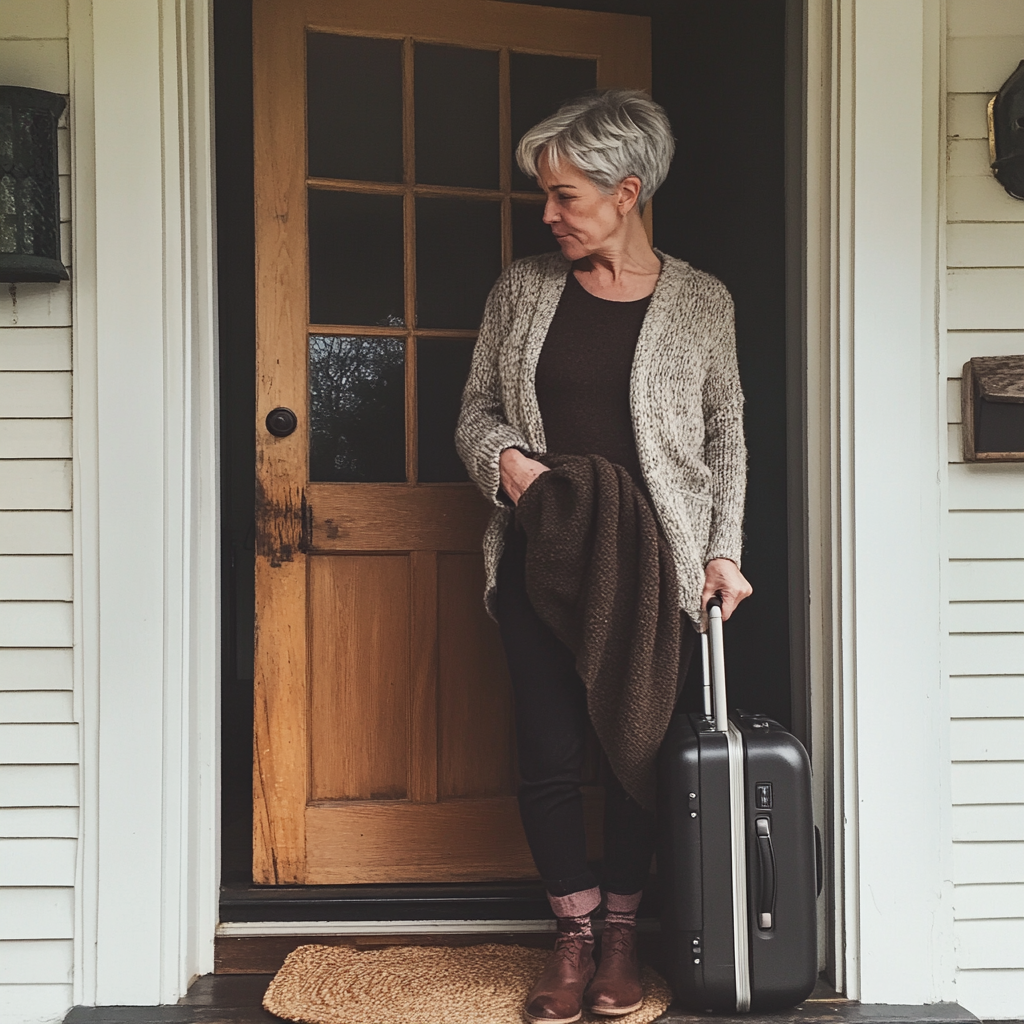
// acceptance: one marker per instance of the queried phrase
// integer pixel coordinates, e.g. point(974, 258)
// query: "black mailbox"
point(993, 409)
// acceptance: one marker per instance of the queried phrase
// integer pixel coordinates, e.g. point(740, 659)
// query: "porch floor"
point(236, 999)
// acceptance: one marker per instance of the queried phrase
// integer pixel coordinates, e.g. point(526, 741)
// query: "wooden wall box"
point(993, 409)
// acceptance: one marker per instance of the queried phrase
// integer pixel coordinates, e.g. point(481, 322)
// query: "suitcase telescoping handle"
point(715, 705)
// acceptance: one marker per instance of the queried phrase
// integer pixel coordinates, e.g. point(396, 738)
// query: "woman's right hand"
point(518, 472)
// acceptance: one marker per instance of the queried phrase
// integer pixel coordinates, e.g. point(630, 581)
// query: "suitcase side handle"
point(766, 862)
point(717, 645)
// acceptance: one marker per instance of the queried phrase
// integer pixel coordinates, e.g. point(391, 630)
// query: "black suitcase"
point(738, 858)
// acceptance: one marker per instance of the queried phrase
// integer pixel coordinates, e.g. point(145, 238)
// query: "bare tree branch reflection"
point(356, 408)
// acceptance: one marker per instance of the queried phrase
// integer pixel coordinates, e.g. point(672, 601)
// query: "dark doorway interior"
point(719, 70)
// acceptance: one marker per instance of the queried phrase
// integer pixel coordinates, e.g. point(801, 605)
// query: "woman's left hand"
point(723, 577)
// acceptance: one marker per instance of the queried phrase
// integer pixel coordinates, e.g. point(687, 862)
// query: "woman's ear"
point(628, 194)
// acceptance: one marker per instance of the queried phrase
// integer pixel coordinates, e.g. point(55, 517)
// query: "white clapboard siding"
point(42, 962)
point(962, 345)
point(35, 439)
point(986, 535)
point(988, 739)
point(36, 669)
point(985, 527)
point(37, 862)
point(989, 655)
point(35, 577)
point(40, 394)
point(977, 863)
point(966, 116)
point(953, 401)
point(977, 198)
point(36, 305)
point(39, 822)
point(37, 913)
point(984, 18)
point(986, 617)
point(987, 580)
point(966, 157)
point(954, 442)
point(987, 697)
point(35, 532)
point(988, 298)
point(33, 19)
point(987, 782)
point(982, 63)
point(991, 944)
point(36, 624)
point(33, 785)
point(991, 994)
point(36, 706)
point(988, 901)
point(35, 348)
point(989, 823)
point(36, 63)
point(35, 484)
point(985, 245)
point(994, 486)
point(38, 743)
point(34, 1004)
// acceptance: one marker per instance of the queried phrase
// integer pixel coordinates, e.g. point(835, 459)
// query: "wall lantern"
point(993, 409)
point(29, 187)
point(1006, 133)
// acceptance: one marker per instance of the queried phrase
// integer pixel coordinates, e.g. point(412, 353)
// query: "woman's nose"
point(550, 212)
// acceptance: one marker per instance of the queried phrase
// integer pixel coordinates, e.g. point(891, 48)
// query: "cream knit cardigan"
point(685, 398)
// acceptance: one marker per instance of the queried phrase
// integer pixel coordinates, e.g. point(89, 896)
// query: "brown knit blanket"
point(602, 577)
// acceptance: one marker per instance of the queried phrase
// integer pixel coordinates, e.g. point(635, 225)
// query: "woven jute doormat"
point(484, 984)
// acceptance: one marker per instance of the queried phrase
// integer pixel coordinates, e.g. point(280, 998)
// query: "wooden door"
point(386, 205)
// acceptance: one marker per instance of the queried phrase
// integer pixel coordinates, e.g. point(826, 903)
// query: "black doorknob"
point(281, 422)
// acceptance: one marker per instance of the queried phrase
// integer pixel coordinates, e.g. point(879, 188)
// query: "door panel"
point(386, 205)
point(359, 677)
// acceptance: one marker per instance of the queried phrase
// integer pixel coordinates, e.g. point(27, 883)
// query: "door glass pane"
point(530, 235)
point(442, 365)
point(355, 259)
point(456, 116)
point(458, 259)
point(356, 408)
point(354, 107)
point(540, 84)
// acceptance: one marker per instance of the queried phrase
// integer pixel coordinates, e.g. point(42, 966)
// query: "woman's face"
point(583, 219)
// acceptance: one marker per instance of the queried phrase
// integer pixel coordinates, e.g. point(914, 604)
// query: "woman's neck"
point(625, 269)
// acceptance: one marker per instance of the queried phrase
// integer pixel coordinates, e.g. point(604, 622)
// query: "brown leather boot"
point(616, 988)
point(557, 995)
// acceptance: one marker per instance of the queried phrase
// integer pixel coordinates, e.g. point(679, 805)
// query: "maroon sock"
point(573, 911)
point(622, 909)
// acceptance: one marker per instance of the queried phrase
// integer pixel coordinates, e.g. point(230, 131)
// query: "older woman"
point(614, 349)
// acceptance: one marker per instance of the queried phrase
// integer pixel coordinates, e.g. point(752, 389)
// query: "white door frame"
point(146, 493)
point(875, 470)
point(146, 498)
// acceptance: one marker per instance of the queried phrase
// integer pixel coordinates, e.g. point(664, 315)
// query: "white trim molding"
point(146, 508)
point(875, 472)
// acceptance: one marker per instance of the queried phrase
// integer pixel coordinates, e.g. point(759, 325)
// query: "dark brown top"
point(583, 377)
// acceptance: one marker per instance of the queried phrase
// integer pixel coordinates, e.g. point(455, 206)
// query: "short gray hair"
point(609, 135)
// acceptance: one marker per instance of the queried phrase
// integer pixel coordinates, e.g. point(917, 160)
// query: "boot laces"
point(569, 946)
point(617, 940)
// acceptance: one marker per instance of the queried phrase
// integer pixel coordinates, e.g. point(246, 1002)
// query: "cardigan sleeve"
point(725, 452)
point(483, 431)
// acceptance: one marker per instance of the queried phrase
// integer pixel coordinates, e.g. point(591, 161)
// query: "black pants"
point(551, 732)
